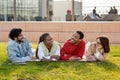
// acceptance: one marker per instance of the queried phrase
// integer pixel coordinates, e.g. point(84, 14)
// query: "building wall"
point(61, 31)
point(60, 8)
point(44, 8)
point(26, 10)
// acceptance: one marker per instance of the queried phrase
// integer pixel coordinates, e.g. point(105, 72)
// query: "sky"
point(103, 6)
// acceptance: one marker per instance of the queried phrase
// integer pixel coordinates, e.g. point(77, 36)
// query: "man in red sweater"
point(74, 48)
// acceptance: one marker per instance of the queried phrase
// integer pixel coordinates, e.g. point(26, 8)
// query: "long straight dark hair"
point(41, 39)
point(105, 43)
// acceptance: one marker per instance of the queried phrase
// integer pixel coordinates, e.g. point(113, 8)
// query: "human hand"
point(33, 58)
point(45, 59)
point(74, 58)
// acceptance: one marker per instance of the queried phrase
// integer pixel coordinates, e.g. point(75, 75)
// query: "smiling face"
point(48, 40)
point(20, 38)
point(103, 42)
point(75, 38)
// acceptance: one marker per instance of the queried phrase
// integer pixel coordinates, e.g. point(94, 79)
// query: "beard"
point(20, 40)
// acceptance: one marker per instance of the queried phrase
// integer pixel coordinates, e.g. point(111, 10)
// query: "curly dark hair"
point(14, 33)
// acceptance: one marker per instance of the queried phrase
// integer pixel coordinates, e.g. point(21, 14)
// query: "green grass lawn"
point(107, 70)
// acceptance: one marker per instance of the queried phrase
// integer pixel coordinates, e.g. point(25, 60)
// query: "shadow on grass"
point(108, 66)
point(54, 65)
point(32, 69)
point(77, 66)
point(116, 55)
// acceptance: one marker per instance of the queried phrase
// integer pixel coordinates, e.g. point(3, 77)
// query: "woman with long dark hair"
point(98, 50)
point(48, 49)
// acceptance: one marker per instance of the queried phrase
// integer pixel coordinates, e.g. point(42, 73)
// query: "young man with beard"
point(19, 49)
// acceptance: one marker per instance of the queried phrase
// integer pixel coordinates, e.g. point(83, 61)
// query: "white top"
point(41, 53)
point(87, 45)
point(97, 54)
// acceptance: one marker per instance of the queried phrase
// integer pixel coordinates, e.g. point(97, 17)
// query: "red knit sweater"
point(69, 50)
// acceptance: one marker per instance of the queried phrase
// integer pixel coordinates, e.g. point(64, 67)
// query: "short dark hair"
point(80, 34)
point(14, 33)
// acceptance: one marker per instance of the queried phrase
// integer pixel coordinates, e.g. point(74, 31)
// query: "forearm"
point(74, 58)
point(20, 59)
point(101, 58)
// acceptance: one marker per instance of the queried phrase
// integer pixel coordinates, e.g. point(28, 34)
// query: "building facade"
point(23, 10)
